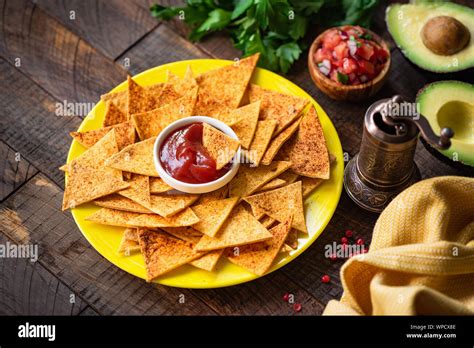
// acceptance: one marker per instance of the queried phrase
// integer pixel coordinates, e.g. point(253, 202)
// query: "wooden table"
point(54, 51)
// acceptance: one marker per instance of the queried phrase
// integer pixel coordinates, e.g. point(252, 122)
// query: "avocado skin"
point(467, 65)
point(460, 165)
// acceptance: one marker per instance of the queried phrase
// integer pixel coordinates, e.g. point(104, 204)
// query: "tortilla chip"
point(250, 179)
point(244, 121)
point(139, 190)
point(271, 185)
point(206, 105)
point(262, 137)
point(285, 248)
point(309, 185)
point(281, 202)
point(216, 195)
point(220, 146)
point(257, 212)
point(280, 107)
point(136, 158)
point(186, 233)
point(258, 257)
point(289, 176)
point(184, 218)
point(124, 135)
point(112, 217)
point(118, 202)
point(129, 242)
point(209, 261)
point(187, 83)
point(267, 221)
point(228, 84)
point(88, 178)
point(292, 239)
point(240, 228)
point(307, 151)
point(167, 205)
point(157, 185)
point(278, 142)
point(213, 215)
point(138, 98)
point(149, 124)
point(163, 253)
point(113, 115)
point(120, 101)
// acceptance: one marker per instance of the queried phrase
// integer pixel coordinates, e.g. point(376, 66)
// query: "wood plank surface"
point(14, 170)
point(27, 288)
point(109, 26)
point(57, 59)
point(32, 215)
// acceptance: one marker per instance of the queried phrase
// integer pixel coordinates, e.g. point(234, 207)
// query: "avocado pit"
point(444, 35)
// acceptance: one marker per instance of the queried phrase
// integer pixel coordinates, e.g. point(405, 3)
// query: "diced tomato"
point(333, 75)
point(366, 67)
point(341, 50)
point(365, 51)
point(322, 54)
point(349, 65)
point(331, 39)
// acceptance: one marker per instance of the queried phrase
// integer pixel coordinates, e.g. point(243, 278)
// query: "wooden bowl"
point(346, 92)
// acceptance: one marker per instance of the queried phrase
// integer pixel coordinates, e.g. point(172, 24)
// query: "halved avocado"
point(438, 37)
point(451, 104)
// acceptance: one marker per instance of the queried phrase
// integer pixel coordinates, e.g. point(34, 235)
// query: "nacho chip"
point(280, 107)
point(209, 261)
point(244, 121)
point(228, 84)
point(187, 233)
point(257, 212)
point(188, 82)
point(220, 146)
point(258, 257)
point(113, 115)
point(157, 185)
point(267, 221)
point(216, 195)
point(307, 151)
point(139, 190)
point(292, 239)
point(120, 101)
point(213, 215)
point(285, 248)
point(163, 253)
point(149, 124)
point(88, 168)
point(240, 228)
point(138, 98)
point(118, 202)
point(183, 218)
point(206, 105)
point(129, 242)
point(281, 202)
point(250, 179)
point(124, 135)
point(272, 184)
point(112, 217)
point(260, 142)
point(289, 176)
point(309, 185)
point(136, 158)
point(278, 142)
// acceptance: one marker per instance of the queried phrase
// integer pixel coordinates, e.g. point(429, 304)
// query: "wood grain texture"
point(159, 47)
point(33, 215)
point(57, 59)
point(109, 26)
point(14, 170)
point(29, 125)
point(27, 288)
point(88, 311)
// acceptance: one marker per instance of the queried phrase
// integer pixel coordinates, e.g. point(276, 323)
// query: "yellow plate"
point(319, 207)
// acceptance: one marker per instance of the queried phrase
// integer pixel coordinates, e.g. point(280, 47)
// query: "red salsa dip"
point(350, 56)
point(183, 156)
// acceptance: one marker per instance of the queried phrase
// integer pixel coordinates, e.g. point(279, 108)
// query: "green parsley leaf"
point(342, 78)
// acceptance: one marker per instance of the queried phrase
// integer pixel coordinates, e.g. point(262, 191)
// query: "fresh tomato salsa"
point(349, 56)
point(184, 157)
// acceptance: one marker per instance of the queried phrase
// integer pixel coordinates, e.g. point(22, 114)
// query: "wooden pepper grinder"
point(385, 163)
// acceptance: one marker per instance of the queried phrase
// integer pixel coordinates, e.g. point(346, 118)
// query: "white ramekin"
point(184, 186)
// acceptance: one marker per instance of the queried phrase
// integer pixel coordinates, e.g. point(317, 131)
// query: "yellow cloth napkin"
point(421, 259)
